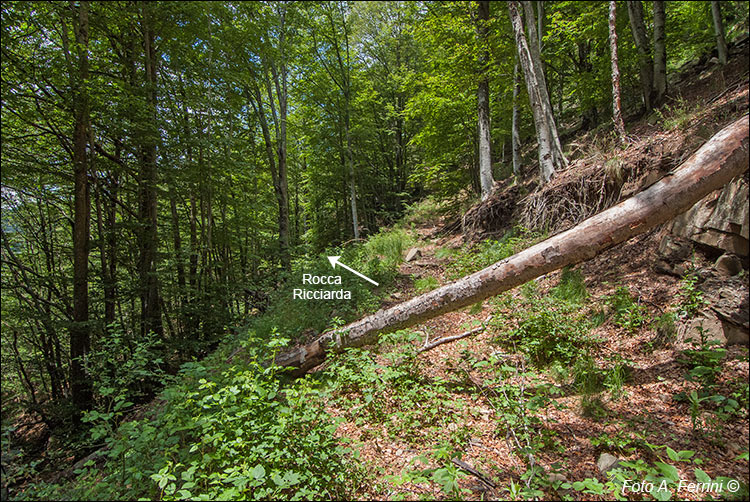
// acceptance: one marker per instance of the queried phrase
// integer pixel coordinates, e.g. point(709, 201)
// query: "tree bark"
point(80, 338)
point(546, 158)
point(558, 159)
point(718, 161)
point(514, 134)
point(645, 63)
point(616, 107)
point(150, 303)
point(483, 103)
point(660, 53)
point(721, 43)
point(177, 240)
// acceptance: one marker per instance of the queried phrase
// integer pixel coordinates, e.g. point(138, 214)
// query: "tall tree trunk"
point(179, 259)
point(721, 43)
point(280, 81)
point(515, 135)
point(645, 63)
point(546, 158)
point(110, 288)
point(279, 188)
point(150, 304)
point(350, 162)
point(483, 102)
point(660, 53)
point(534, 43)
point(80, 337)
point(718, 161)
point(616, 107)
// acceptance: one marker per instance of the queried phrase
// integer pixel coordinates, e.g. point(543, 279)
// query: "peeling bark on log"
point(718, 161)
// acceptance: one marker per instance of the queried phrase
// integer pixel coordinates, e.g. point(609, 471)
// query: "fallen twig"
point(481, 477)
point(453, 338)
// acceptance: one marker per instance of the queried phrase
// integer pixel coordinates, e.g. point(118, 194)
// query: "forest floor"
point(627, 394)
point(638, 420)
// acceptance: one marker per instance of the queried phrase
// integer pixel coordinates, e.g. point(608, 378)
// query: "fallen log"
point(719, 160)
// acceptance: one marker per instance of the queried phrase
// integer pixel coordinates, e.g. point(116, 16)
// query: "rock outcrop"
point(720, 221)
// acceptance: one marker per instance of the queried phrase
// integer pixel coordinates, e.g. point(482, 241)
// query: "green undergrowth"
point(236, 428)
point(239, 430)
point(378, 258)
point(489, 251)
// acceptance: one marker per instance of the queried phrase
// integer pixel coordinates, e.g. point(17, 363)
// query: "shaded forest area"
point(170, 169)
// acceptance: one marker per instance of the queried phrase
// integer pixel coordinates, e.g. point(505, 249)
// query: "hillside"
point(197, 195)
point(575, 370)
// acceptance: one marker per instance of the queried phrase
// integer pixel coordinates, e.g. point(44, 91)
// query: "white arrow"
point(335, 260)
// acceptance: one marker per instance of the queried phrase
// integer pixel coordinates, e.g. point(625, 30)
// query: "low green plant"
point(587, 377)
point(677, 115)
point(490, 251)
point(703, 360)
point(661, 479)
point(695, 409)
point(424, 211)
point(228, 431)
point(549, 331)
point(691, 297)
point(666, 329)
point(425, 284)
point(444, 253)
point(530, 289)
point(626, 312)
point(617, 376)
point(572, 287)
point(388, 246)
point(620, 441)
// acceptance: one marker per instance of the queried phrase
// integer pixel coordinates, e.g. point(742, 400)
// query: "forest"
point(374, 250)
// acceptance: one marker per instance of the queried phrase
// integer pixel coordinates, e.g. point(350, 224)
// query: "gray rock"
point(707, 321)
point(556, 476)
point(673, 252)
point(720, 220)
point(728, 264)
point(412, 254)
point(729, 301)
point(736, 335)
point(607, 462)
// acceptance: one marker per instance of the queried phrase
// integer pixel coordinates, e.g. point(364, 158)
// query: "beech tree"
point(721, 43)
point(660, 52)
point(645, 61)
point(616, 106)
point(80, 337)
point(483, 102)
point(551, 157)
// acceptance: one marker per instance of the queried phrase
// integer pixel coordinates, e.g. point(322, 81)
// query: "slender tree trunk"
point(645, 63)
point(280, 81)
point(151, 321)
point(80, 338)
point(110, 288)
point(179, 261)
point(718, 161)
point(483, 103)
point(515, 135)
point(534, 44)
point(350, 161)
point(546, 158)
point(280, 188)
point(721, 43)
point(660, 53)
point(616, 107)
point(106, 280)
